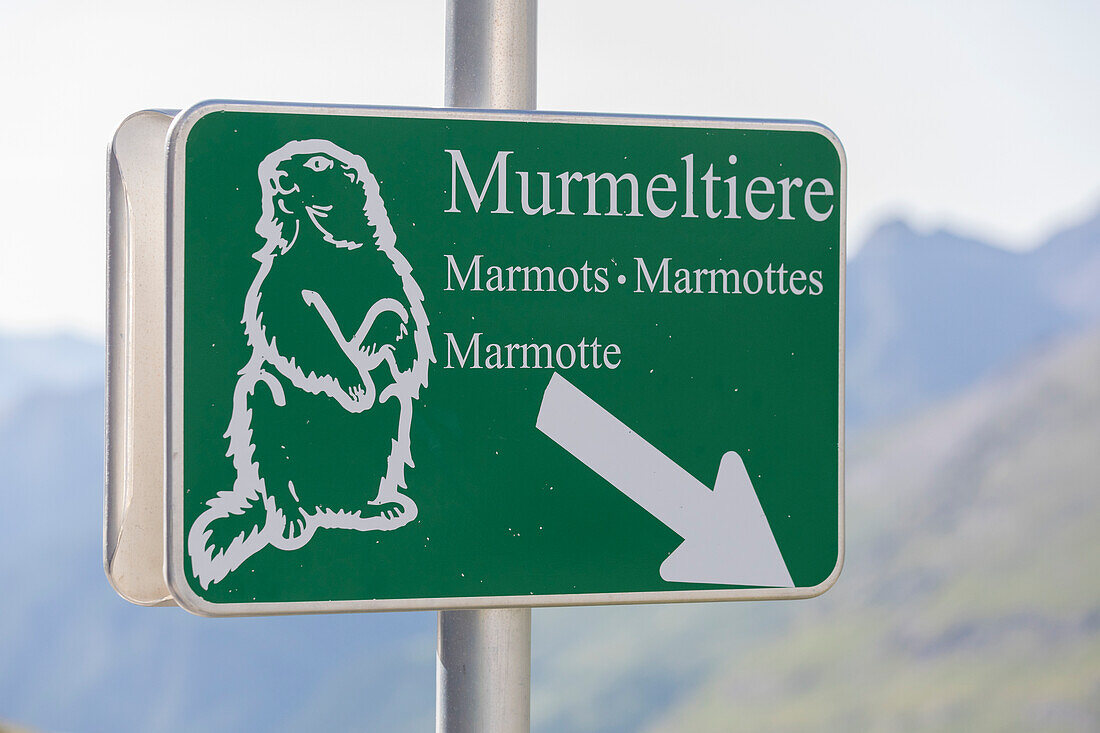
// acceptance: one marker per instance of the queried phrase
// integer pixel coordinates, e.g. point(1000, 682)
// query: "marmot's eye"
point(319, 163)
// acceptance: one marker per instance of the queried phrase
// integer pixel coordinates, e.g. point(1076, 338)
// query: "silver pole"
point(483, 673)
point(491, 54)
point(483, 665)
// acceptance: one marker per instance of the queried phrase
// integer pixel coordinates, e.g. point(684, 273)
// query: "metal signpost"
point(473, 361)
point(483, 659)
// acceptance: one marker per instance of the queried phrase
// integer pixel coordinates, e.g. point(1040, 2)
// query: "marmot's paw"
point(293, 531)
point(294, 528)
point(358, 393)
point(389, 510)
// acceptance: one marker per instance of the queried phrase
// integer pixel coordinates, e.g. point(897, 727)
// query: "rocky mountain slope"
point(930, 313)
point(970, 598)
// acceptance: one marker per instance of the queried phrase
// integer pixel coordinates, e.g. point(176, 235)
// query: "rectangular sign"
point(431, 359)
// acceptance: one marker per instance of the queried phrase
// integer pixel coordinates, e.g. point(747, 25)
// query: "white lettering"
point(669, 187)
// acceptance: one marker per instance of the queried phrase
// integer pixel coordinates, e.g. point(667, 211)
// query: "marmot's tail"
point(232, 528)
point(226, 535)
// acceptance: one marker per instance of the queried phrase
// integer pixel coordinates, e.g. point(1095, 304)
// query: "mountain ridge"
point(79, 656)
point(954, 596)
point(929, 314)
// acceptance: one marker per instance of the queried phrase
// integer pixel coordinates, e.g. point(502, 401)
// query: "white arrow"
point(727, 539)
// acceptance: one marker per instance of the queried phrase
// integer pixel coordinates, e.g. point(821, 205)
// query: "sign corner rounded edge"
point(833, 577)
point(829, 134)
point(188, 118)
point(182, 592)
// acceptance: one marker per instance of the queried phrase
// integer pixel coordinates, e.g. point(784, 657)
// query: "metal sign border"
point(134, 493)
point(175, 536)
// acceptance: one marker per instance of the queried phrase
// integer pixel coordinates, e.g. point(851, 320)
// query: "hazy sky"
point(980, 116)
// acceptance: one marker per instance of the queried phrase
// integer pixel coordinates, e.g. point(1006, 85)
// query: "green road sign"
point(439, 359)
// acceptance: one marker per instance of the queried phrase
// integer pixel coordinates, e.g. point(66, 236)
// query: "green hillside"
point(970, 599)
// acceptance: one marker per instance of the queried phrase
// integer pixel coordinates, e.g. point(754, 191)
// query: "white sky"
point(980, 116)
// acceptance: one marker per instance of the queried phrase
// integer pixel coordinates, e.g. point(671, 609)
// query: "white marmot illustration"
point(319, 434)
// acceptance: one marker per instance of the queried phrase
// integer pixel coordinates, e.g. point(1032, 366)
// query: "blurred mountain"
point(970, 598)
point(76, 657)
point(970, 575)
point(53, 363)
point(1068, 268)
point(929, 314)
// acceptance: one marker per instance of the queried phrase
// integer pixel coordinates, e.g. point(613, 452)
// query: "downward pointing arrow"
point(727, 539)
